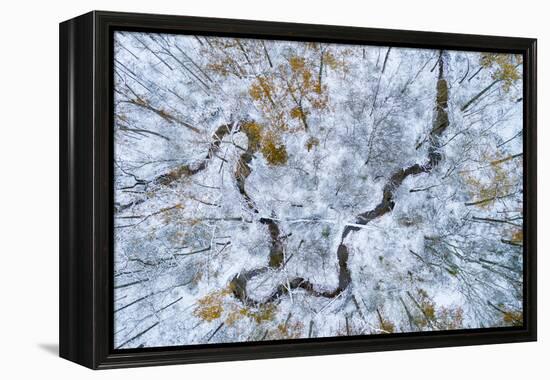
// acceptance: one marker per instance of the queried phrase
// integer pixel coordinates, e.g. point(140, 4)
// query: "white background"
point(29, 187)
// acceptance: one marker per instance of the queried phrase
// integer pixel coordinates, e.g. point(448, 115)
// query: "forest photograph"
point(278, 190)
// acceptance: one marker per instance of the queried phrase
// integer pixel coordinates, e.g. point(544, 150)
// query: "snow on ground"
point(342, 119)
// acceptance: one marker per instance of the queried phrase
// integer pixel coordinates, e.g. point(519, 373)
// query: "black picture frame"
point(86, 189)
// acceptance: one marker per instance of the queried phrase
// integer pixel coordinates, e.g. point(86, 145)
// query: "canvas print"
point(275, 190)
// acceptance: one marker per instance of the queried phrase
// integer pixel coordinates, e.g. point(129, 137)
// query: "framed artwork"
point(238, 189)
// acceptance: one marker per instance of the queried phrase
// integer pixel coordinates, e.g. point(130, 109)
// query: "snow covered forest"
point(271, 190)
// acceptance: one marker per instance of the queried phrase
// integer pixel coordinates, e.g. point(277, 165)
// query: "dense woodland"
point(272, 190)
